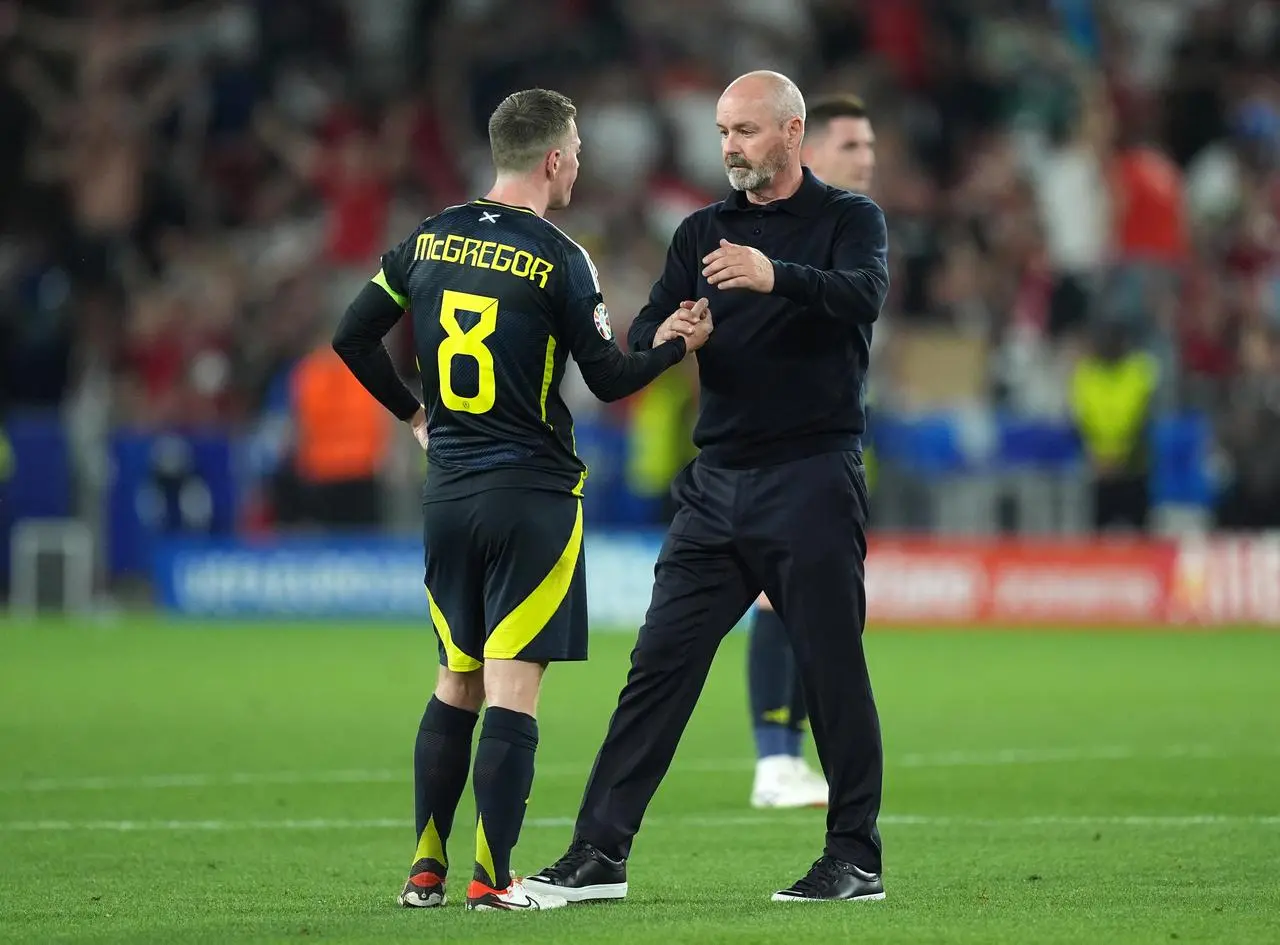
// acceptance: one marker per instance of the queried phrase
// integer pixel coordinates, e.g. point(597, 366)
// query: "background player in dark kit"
point(500, 297)
point(797, 272)
point(839, 147)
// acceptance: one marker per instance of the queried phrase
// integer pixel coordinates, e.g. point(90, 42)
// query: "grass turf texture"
point(1062, 787)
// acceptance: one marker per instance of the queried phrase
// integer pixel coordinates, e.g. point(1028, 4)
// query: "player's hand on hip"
point(681, 322)
point(732, 266)
point(418, 424)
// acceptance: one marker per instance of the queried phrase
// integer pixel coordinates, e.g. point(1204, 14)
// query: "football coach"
point(796, 273)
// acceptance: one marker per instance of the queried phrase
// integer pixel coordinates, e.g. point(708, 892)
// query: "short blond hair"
point(526, 125)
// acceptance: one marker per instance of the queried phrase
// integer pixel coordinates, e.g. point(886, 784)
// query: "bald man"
point(839, 147)
point(796, 272)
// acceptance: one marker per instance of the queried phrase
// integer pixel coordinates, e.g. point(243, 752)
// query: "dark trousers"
point(1239, 510)
point(344, 503)
point(1123, 500)
point(797, 531)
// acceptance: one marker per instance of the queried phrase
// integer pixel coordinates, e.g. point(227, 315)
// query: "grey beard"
point(749, 178)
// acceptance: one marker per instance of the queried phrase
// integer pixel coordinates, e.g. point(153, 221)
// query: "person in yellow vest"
point(660, 440)
point(6, 457)
point(341, 440)
point(1112, 394)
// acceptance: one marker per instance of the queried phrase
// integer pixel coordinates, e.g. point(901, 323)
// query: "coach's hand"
point(738, 267)
point(682, 322)
point(418, 424)
point(702, 328)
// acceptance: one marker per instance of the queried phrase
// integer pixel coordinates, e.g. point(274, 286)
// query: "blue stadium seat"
point(130, 539)
point(40, 486)
point(41, 483)
point(926, 443)
point(1038, 444)
point(602, 447)
point(1180, 446)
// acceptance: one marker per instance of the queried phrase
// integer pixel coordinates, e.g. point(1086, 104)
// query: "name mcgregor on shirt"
point(483, 254)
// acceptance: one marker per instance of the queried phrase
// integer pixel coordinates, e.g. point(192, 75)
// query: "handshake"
point(691, 321)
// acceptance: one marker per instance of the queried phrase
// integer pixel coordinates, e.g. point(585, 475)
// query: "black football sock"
point(770, 667)
point(441, 757)
point(502, 781)
point(798, 718)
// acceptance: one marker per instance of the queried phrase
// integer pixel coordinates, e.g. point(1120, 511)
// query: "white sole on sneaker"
point(872, 897)
point(771, 801)
point(433, 901)
point(542, 906)
point(599, 892)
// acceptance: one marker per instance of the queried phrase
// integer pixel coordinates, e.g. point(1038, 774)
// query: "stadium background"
point(191, 193)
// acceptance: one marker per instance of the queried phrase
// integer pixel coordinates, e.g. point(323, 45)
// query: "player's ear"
point(552, 163)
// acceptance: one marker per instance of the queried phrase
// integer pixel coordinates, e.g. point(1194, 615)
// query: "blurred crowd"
point(192, 191)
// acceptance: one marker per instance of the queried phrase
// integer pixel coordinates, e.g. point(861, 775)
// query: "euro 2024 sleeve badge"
point(601, 318)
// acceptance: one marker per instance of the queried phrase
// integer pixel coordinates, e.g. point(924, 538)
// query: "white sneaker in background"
point(812, 781)
point(780, 785)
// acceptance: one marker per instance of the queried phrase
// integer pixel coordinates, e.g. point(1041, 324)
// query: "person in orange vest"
point(341, 438)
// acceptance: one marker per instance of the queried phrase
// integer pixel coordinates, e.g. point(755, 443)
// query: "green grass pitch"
point(173, 782)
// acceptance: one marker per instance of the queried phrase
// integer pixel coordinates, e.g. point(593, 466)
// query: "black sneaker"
point(583, 874)
point(832, 880)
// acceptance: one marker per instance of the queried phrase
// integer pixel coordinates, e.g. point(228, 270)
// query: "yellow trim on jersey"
point(505, 206)
point(518, 628)
point(582, 480)
point(429, 845)
point(457, 661)
point(484, 857)
point(548, 369)
point(381, 280)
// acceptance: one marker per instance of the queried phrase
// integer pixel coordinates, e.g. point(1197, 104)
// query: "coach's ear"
point(793, 133)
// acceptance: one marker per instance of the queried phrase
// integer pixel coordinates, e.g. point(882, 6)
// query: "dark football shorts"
point(506, 577)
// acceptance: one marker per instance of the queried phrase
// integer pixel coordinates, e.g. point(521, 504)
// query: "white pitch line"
point(163, 781)
point(1000, 757)
point(704, 822)
point(1030, 756)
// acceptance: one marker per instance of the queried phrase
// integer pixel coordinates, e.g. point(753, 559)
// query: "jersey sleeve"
point(392, 277)
point(358, 338)
point(583, 317)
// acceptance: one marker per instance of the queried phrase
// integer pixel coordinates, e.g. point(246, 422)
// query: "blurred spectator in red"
point(354, 167)
point(1150, 229)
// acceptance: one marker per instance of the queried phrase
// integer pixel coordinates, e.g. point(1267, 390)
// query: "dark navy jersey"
point(500, 298)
